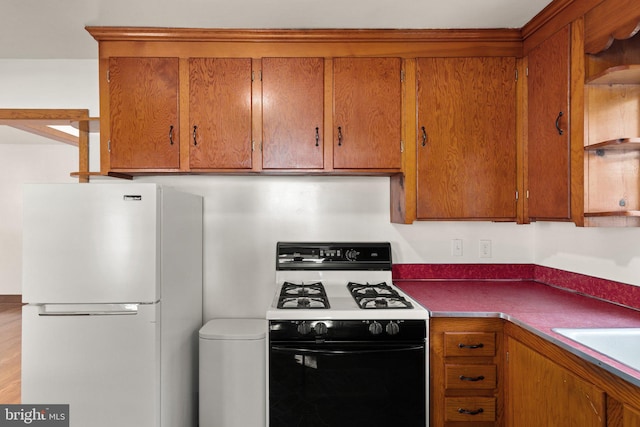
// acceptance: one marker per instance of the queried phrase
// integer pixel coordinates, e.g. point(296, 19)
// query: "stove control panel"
point(346, 330)
point(333, 256)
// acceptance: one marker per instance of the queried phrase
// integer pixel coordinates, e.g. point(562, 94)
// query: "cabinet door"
point(621, 414)
point(466, 138)
point(631, 417)
point(143, 103)
point(220, 113)
point(292, 113)
point(542, 393)
point(548, 140)
point(367, 107)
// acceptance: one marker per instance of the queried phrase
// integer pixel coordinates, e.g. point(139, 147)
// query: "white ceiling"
point(38, 29)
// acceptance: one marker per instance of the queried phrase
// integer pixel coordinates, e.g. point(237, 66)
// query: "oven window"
point(347, 385)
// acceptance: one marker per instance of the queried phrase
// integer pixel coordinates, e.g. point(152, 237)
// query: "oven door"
point(347, 384)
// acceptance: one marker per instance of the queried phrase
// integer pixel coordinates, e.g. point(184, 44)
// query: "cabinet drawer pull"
point(424, 136)
point(470, 346)
point(472, 379)
point(171, 134)
point(317, 136)
point(339, 136)
point(560, 131)
point(470, 411)
point(195, 141)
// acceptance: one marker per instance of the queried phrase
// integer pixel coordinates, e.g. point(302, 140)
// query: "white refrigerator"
point(112, 278)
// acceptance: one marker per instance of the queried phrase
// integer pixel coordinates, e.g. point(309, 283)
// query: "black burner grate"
point(303, 295)
point(377, 296)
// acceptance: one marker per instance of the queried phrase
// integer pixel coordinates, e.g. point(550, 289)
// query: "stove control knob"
point(304, 328)
point(320, 328)
point(351, 255)
point(392, 328)
point(375, 328)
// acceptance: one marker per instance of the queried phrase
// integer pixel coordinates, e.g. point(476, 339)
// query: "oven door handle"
point(311, 351)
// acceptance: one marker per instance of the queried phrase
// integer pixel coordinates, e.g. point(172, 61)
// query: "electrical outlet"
point(456, 247)
point(485, 248)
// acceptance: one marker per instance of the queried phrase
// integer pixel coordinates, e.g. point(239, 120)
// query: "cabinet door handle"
point(171, 134)
point(470, 346)
point(560, 131)
point(424, 136)
point(339, 136)
point(472, 379)
point(195, 140)
point(470, 411)
point(317, 137)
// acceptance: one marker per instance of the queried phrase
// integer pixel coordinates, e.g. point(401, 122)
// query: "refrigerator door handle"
point(87, 309)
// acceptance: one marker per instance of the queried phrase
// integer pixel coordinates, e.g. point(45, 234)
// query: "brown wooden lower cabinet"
point(549, 386)
point(542, 393)
point(489, 372)
point(466, 372)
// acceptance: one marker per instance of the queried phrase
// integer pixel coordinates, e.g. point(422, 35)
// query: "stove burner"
point(304, 302)
point(377, 296)
point(303, 295)
point(379, 302)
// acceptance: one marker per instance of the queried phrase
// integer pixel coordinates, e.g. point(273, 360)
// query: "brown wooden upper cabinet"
point(292, 113)
point(466, 138)
point(549, 128)
point(144, 121)
point(367, 100)
point(220, 113)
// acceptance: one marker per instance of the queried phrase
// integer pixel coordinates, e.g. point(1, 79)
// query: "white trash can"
point(233, 373)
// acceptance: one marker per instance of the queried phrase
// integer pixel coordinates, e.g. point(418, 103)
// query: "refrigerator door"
point(106, 366)
point(95, 243)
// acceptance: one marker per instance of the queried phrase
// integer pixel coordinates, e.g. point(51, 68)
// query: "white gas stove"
point(343, 340)
point(326, 281)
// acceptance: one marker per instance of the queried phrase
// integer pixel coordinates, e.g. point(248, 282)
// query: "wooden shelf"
point(612, 214)
point(615, 144)
point(621, 74)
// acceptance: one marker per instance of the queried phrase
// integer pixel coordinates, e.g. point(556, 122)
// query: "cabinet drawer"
point(470, 377)
point(461, 344)
point(471, 409)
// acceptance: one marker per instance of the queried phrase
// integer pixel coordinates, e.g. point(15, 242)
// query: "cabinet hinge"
point(527, 71)
point(253, 146)
point(516, 75)
point(517, 196)
point(109, 145)
point(108, 76)
point(507, 357)
point(401, 146)
point(253, 76)
point(401, 76)
point(527, 194)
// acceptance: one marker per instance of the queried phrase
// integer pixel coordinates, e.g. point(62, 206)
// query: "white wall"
point(245, 216)
point(608, 253)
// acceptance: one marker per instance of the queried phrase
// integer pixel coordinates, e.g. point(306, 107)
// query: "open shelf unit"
point(612, 138)
point(40, 122)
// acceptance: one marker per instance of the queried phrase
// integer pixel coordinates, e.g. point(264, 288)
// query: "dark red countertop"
point(535, 306)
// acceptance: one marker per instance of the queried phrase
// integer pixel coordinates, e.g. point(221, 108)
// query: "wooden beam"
point(83, 152)
point(49, 115)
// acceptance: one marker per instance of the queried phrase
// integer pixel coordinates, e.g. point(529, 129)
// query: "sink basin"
point(621, 344)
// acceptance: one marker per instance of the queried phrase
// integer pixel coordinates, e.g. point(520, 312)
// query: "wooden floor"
point(10, 352)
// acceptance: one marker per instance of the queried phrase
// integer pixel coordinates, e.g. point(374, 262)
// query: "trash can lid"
point(234, 329)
